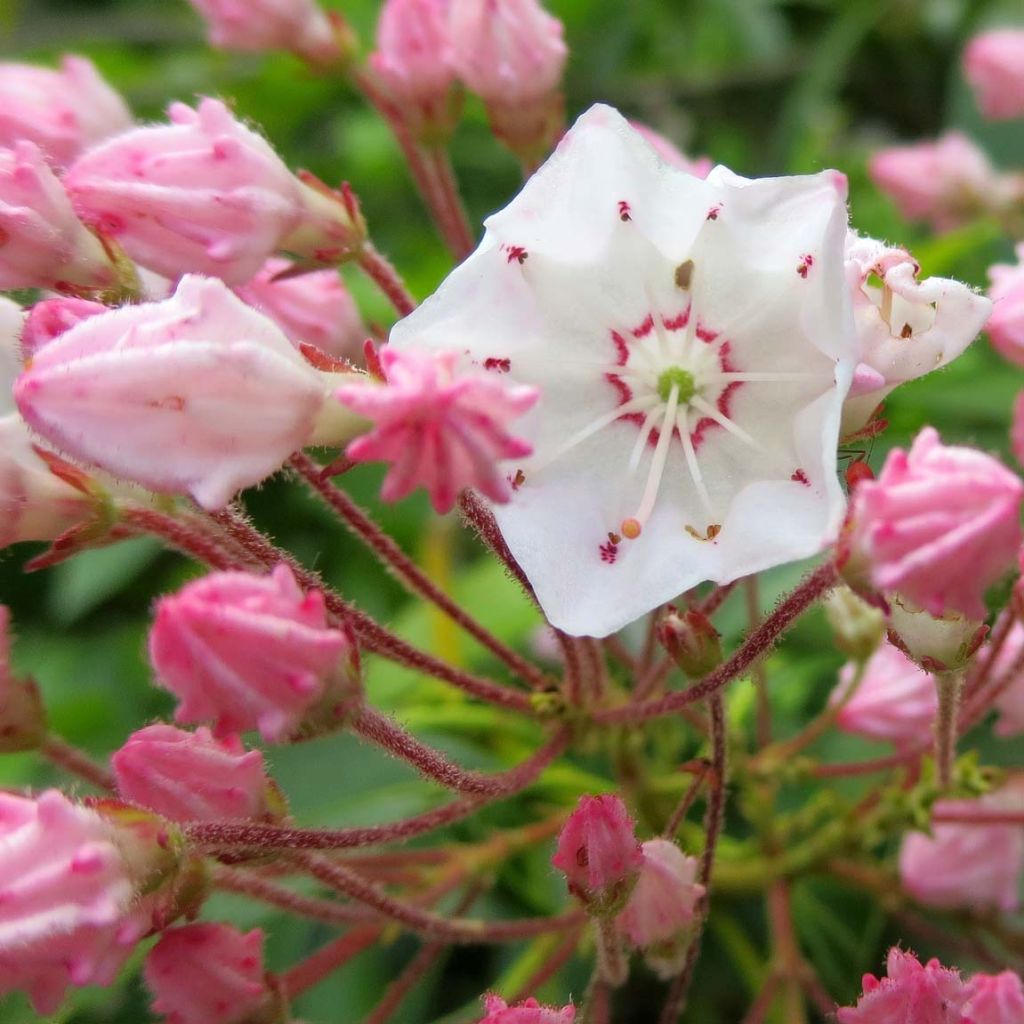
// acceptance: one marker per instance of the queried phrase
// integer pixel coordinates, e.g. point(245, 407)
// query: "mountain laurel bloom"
point(912, 992)
point(1005, 327)
point(699, 167)
point(895, 700)
point(208, 973)
point(63, 112)
point(198, 394)
point(436, 428)
point(42, 243)
point(192, 776)
point(251, 652)
point(692, 358)
point(497, 1011)
point(994, 999)
point(938, 525)
point(50, 318)
point(994, 68)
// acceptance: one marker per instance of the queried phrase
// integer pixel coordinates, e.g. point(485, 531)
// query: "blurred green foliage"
point(765, 86)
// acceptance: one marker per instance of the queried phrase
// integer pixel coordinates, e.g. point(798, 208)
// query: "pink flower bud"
point(857, 627)
point(187, 776)
point(911, 994)
point(1005, 325)
point(511, 54)
point(296, 25)
point(42, 243)
point(699, 167)
point(251, 652)
point(599, 854)
point(994, 999)
point(946, 182)
point(202, 194)
point(527, 1012)
point(208, 973)
point(50, 318)
point(660, 914)
point(938, 525)
point(198, 394)
point(994, 67)
point(63, 112)
point(414, 60)
point(691, 641)
point(22, 717)
point(438, 430)
point(314, 308)
point(895, 700)
point(1010, 702)
point(68, 888)
point(973, 865)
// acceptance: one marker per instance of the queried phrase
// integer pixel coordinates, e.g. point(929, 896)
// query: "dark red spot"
point(677, 323)
point(907, 331)
point(609, 552)
point(621, 349)
point(705, 333)
point(857, 473)
point(517, 253)
point(645, 328)
point(806, 262)
point(500, 365)
point(800, 477)
point(624, 210)
point(714, 212)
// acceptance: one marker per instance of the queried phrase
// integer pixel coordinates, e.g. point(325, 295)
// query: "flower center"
point(680, 379)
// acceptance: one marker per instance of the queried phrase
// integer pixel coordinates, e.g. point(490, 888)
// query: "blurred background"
point(765, 86)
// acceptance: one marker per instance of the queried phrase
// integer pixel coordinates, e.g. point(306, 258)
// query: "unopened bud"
point(858, 628)
point(331, 228)
point(937, 644)
point(692, 641)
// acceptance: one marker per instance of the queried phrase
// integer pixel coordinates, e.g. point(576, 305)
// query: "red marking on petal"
point(714, 212)
point(705, 333)
point(609, 552)
point(517, 253)
point(800, 477)
point(806, 262)
point(500, 365)
point(677, 323)
point(621, 349)
point(645, 328)
point(624, 210)
point(625, 393)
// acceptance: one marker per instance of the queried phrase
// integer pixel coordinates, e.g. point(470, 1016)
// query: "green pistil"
point(676, 377)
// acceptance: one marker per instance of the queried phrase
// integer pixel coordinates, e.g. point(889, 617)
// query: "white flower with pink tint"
point(198, 394)
point(894, 701)
point(42, 243)
point(64, 112)
point(699, 167)
point(994, 68)
point(1005, 326)
point(314, 308)
point(905, 327)
point(438, 429)
point(692, 342)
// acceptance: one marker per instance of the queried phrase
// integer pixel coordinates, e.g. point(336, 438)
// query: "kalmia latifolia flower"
point(50, 318)
point(1005, 327)
point(497, 1011)
point(599, 854)
point(699, 167)
point(905, 327)
point(438, 428)
point(938, 525)
point(895, 700)
point(692, 343)
point(662, 908)
point(198, 394)
point(252, 652)
point(296, 25)
point(208, 973)
point(193, 776)
point(994, 68)
point(912, 993)
point(994, 999)
point(64, 112)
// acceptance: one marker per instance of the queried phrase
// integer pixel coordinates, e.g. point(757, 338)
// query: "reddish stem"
point(77, 762)
point(381, 271)
point(481, 518)
point(553, 963)
point(457, 229)
point(328, 959)
point(715, 599)
point(677, 816)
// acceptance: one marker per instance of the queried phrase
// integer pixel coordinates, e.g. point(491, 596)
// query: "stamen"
point(636, 405)
point(657, 469)
point(691, 464)
point(641, 441)
point(730, 376)
point(723, 421)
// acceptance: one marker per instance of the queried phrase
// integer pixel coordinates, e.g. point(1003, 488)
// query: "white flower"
point(693, 343)
point(905, 327)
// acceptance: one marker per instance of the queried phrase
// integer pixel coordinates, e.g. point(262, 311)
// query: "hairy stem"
point(383, 274)
point(328, 959)
point(77, 762)
point(949, 687)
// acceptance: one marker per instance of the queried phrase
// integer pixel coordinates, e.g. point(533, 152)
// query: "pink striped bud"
point(207, 973)
point(198, 394)
point(22, 716)
point(527, 1012)
point(253, 652)
point(995, 999)
point(599, 854)
point(438, 430)
point(42, 243)
point(994, 67)
point(188, 776)
point(50, 318)
point(63, 112)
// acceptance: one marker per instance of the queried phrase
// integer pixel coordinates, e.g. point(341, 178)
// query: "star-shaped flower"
point(692, 341)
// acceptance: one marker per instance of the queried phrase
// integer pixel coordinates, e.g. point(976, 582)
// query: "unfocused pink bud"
point(971, 864)
point(67, 915)
point(208, 973)
point(527, 1012)
point(314, 308)
point(946, 182)
point(50, 318)
point(414, 60)
point(660, 914)
point(691, 640)
point(252, 652)
point(994, 67)
point(699, 167)
point(1005, 325)
point(511, 54)
point(438, 430)
point(186, 776)
point(198, 394)
point(599, 854)
point(1010, 702)
point(994, 999)
point(42, 243)
point(939, 525)
point(63, 112)
point(911, 994)
point(857, 626)
point(895, 700)
point(296, 25)
point(22, 716)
